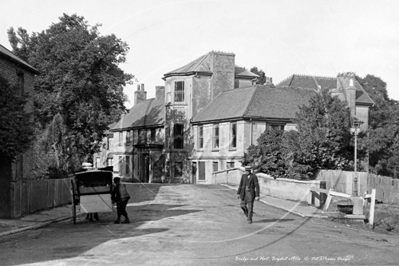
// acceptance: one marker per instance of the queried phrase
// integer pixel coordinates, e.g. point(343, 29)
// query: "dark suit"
point(248, 190)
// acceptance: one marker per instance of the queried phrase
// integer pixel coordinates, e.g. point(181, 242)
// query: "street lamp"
point(355, 129)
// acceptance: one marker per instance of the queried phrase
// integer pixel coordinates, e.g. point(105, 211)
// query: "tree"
point(323, 138)
point(260, 73)
point(16, 125)
point(383, 143)
point(322, 141)
point(80, 89)
point(267, 156)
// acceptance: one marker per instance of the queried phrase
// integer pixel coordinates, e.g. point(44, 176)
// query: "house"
point(236, 119)
point(206, 116)
point(17, 72)
point(344, 86)
point(134, 145)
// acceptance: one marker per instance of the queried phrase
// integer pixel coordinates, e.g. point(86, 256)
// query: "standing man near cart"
point(121, 197)
point(248, 192)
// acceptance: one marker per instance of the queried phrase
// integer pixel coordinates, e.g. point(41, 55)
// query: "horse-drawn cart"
point(91, 192)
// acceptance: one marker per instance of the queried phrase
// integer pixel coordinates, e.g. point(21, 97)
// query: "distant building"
point(207, 115)
point(344, 86)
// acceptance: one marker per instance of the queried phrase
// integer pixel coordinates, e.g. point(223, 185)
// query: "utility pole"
point(355, 130)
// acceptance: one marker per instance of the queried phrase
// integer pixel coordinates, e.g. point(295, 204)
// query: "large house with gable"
point(205, 117)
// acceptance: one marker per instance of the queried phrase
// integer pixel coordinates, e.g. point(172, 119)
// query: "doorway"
point(145, 168)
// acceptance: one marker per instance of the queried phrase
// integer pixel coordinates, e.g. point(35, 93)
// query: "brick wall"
point(22, 167)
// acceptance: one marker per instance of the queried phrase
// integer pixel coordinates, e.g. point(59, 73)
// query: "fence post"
point(372, 206)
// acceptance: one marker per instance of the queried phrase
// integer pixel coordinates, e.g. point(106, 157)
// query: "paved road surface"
point(198, 225)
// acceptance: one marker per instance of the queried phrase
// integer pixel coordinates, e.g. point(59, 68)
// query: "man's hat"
point(248, 167)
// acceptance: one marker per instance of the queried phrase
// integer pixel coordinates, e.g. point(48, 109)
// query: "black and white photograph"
point(199, 132)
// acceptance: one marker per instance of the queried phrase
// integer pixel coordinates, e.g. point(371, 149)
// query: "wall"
point(224, 154)
point(290, 189)
point(229, 176)
point(22, 167)
point(283, 188)
point(35, 195)
point(201, 93)
point(362, 113)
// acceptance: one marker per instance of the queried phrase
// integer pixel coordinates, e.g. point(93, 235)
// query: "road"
point(198, 225)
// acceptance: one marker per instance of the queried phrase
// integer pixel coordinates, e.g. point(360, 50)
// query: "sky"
point(281, 37)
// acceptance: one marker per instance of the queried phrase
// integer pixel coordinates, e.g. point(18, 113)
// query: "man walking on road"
point(248, 192)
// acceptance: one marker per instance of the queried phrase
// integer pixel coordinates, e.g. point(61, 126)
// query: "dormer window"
point(179, 91)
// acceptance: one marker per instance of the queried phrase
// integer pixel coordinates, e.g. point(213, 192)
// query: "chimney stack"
point(346, 83)
point(159, 92)
point(140, 94)
point(269, 81)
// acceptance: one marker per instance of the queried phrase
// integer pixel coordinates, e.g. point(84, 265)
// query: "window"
point(229, 165)
point(233, 135)
point(129, 137)
point(179, 91)
point(200, 137)
point(120, 138)
point(178, 136)
point(98, 162)
point(153, 134)
point(107, 144)
point(178, 169)
point(135, 136)
point(110, 162)
point(143, 136)
point(216, 136)
point(215, 166)
point(21, 82)
point(275, 127)
point(201, 172)
point(127, 165)
point(120, 161)
point(168, 93)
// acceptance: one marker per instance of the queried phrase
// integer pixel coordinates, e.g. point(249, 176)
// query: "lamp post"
point(355, 129)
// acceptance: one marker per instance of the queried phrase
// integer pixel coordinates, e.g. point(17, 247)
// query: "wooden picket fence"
point(35, 195)
point(387, 188)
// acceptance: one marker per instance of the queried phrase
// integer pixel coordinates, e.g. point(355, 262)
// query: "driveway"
point(198, 225)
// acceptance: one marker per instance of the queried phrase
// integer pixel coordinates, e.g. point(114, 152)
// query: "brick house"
point(21, 74)
point(134, 145)
point(208, 113)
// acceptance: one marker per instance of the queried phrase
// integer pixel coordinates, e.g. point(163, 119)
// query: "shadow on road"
point(273, 220)
point(67, 240)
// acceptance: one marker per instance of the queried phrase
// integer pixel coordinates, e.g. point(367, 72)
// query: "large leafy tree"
point(80, 89)
point(383, 144)
point(322, 141)
point(267, 156)
point(323, 138)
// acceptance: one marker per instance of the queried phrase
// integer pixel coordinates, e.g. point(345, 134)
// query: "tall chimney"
point(223, 67)
point(346, 84)
point(140, 94)
point(159, 92)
